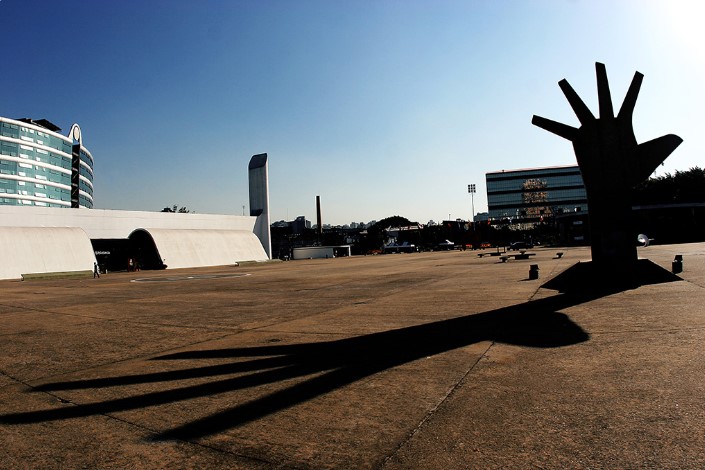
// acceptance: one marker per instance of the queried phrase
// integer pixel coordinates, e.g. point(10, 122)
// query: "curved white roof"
point(30, 250)
point(180, 248)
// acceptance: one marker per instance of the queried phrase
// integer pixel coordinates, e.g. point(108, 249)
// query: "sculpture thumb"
point(649, 155)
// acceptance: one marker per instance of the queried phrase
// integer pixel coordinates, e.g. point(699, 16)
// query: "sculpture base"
point(589, 278)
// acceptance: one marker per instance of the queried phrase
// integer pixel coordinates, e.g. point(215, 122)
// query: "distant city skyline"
point(382, 108)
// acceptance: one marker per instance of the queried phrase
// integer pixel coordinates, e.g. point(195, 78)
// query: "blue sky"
point(380, 107)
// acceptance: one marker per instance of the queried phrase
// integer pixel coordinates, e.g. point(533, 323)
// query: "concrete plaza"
point(428, 360)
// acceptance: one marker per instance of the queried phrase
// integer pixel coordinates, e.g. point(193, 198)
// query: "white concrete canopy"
point(182, 240)
point(36, 239)
point(32, 250)
point(189, 248)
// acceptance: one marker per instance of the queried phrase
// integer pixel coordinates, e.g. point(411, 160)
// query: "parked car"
point(405, 247)
point(516, 246)
point(446, 245)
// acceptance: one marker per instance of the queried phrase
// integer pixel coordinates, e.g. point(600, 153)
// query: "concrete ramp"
point(31, 250)
point(199, 248)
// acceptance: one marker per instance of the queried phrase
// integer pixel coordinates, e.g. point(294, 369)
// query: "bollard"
point(677, 265)
point(534, 271)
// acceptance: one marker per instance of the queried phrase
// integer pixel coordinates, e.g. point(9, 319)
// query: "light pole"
point(471, 190)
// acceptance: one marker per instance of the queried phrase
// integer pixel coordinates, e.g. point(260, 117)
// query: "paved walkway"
point(429, 360)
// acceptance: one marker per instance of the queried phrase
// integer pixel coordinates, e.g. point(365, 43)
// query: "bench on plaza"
point(523, 255)
point(499, 252)
point(520, 255)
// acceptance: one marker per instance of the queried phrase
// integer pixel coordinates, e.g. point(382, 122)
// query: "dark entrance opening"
point(111, 253)
point(127, 254)
point(143, 251)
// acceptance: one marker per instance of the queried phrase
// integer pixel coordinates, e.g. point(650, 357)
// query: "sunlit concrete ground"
point(429, 360)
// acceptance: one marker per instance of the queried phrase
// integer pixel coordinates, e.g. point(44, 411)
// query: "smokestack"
point(319, 227)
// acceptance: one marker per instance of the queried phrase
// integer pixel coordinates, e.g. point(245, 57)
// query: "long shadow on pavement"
point(333, 364)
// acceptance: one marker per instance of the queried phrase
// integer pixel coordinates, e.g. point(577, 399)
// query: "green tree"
point(681, 187)
point(176, 209)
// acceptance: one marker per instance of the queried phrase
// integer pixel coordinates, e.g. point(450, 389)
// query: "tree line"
point(681, 187)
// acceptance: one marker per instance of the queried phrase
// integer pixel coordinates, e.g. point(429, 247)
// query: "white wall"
point(189, 248)
point(314, 252)
point(183, 240)
point(29, 250)
point(102, 223)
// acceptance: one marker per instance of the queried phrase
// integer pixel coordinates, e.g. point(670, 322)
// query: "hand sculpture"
point(611, 163)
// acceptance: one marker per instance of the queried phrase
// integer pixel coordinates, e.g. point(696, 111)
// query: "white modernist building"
point(37, 240)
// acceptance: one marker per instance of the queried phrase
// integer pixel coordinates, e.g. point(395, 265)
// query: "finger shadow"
point(332, 365)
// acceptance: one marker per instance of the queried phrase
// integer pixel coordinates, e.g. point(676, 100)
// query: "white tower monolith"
point(258, 172)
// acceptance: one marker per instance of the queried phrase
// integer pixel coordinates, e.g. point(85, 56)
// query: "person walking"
point(96, 272)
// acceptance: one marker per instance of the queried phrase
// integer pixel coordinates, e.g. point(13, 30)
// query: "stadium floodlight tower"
point(258, 172)
point(472, 191)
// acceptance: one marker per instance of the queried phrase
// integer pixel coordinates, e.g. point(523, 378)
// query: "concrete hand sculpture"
point(611, 163)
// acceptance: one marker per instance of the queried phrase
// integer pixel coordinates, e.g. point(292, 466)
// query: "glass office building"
point(40, 167)
point(531, 195)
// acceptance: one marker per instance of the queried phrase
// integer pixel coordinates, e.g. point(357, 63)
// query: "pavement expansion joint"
point(15, 379)
point(35, 389)
point(692, 282)
point(122, 361)
point(116, 320)
point(155, 436)
point(451, 391)
point(646, 330)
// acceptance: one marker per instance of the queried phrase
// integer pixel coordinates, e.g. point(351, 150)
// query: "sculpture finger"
point(562, 130)
point(629, 103)
point(651, 154)
point(603, 92)
point(579, 108)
